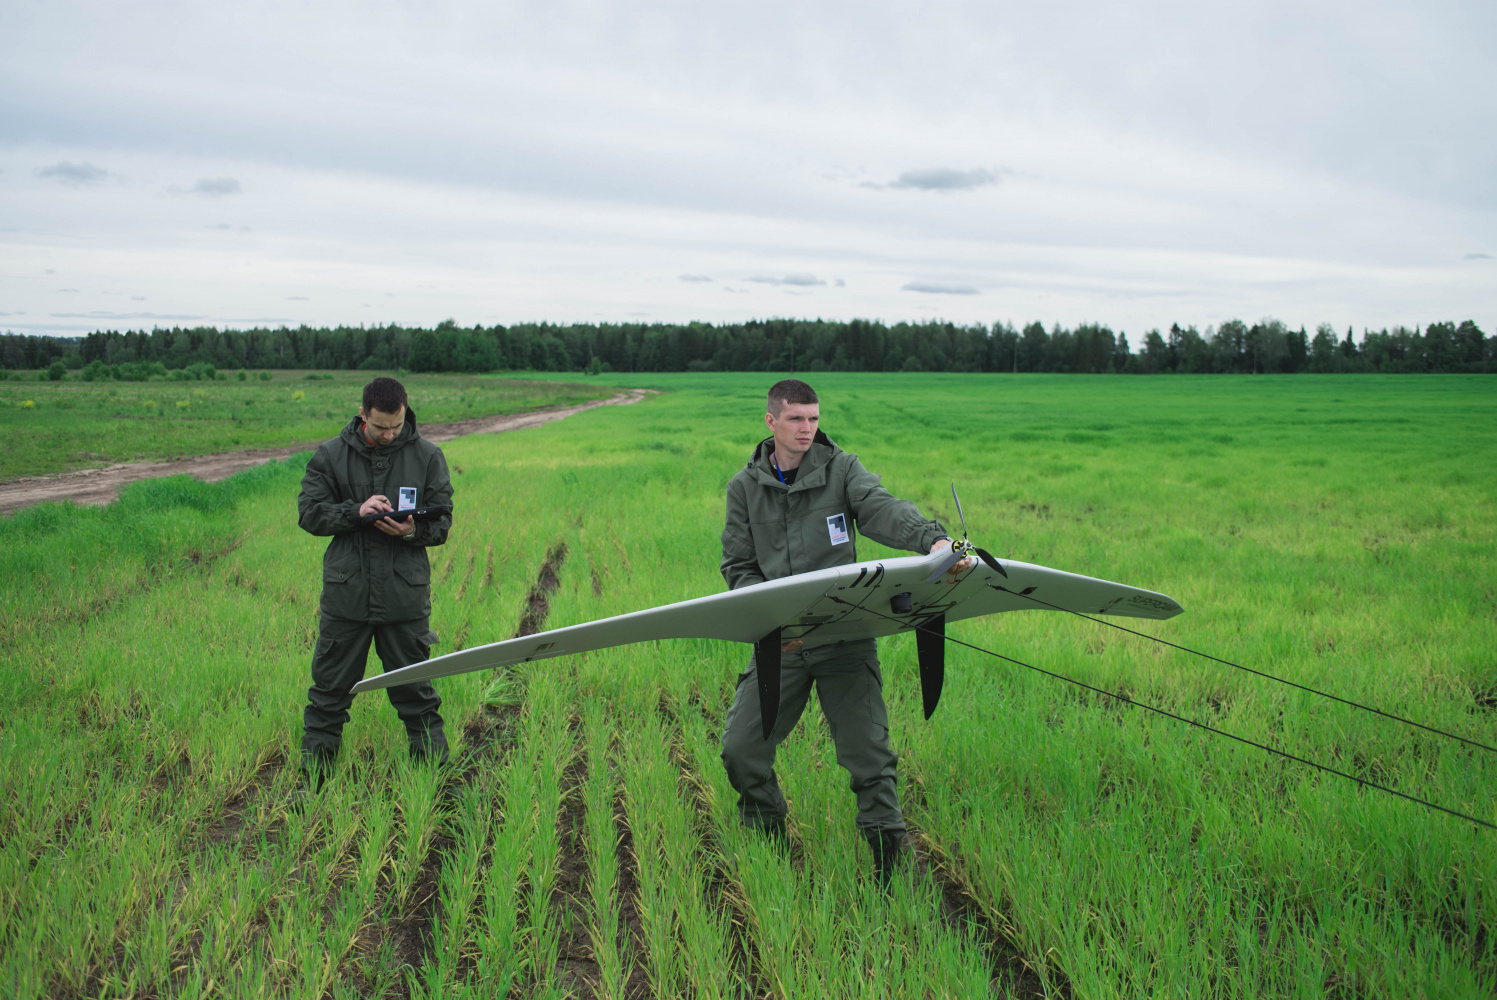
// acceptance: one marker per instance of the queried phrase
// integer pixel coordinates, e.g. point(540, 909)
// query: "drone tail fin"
point(930, 649)
point(767, 667)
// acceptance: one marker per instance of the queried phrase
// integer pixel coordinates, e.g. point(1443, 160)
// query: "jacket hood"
point(352, 433)
point(810, 472)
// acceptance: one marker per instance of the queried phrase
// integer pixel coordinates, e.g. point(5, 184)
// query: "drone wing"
point(845, 603)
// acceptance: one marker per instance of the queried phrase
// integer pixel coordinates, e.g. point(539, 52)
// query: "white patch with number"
point(836, 526)
point(407, 498)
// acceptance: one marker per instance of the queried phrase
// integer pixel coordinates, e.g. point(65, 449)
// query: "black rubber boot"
point(778, 835)
point(317, 767)
point(435, 753)
point(888, 846)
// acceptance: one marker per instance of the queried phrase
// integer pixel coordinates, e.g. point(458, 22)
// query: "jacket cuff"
point(933, 533)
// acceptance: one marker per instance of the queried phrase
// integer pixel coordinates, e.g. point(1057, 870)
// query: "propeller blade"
point(959, 509)
point(930, 650)
point(767, 667)
point(992, 563)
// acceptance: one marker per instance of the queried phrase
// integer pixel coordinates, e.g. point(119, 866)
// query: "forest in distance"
point(1269, 346)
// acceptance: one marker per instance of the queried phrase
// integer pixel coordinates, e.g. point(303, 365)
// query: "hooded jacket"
point(774, 530)
point(368, 575)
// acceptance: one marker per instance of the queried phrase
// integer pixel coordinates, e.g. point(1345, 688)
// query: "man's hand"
point(791, 646)
point(376, 504)
point(959, 568)
point(398, 529)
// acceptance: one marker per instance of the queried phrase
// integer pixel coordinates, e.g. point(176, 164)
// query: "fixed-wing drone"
point(861, 601)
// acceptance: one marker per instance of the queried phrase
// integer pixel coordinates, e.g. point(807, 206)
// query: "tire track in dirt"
point(538, 601)
point(576, 968)
point(727, 894)
point(961, 906)
point(631, 928)
point(409, 932)
point(101, 486)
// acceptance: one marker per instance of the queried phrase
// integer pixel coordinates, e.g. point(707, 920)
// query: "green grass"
point(1335, 531)
point(59, 426)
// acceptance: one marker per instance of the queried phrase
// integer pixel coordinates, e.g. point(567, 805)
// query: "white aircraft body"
point(860, 601)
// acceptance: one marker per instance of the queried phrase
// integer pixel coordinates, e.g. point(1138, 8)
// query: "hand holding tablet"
point(419, 513)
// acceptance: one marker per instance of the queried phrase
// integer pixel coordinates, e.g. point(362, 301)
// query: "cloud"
point(1478, 256)
point(74, 174)
point(938, 288)
point(102, 314)
point(67, 289)
point(840, 283)
point(297, 298)
point(216, 187)
point(137, 298)
point(799, 280)
point(945, 179)
point(695, 277)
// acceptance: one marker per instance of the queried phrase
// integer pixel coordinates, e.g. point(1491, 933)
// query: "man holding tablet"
point(376, 579)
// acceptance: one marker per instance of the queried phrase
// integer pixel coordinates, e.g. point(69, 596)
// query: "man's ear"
point(769, 422)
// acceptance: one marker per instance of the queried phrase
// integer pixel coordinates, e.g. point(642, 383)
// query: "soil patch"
point(538, 601)
point(101, 486)
point(959, 908)
point(631, 930)
point(725, 894)
point(410, 934)
point(576, 969)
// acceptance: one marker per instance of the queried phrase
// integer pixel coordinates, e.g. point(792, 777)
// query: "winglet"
point(767, 668)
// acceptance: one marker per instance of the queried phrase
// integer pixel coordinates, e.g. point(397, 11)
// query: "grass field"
point(60, 426)
point(1338, 531)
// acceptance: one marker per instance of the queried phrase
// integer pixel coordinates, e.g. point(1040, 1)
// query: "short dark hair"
point(790, 390)
point(384, 394)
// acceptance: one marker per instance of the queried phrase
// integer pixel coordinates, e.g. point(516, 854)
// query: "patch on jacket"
point(836, 526)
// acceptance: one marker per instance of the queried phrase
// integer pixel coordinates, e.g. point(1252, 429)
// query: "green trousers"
point(850, 687)
point(338, 664)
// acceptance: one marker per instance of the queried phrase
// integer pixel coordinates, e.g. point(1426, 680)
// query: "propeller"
point(964, 546)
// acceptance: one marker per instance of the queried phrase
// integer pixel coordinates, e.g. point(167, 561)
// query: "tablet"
point(419, 513)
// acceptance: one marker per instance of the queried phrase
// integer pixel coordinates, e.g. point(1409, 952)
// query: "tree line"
point(777, 345)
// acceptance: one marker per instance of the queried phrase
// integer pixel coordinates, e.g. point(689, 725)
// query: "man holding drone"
point(796, 507)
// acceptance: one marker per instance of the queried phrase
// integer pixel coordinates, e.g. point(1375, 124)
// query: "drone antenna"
point(959, 511)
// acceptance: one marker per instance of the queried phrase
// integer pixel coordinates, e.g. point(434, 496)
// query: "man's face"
point(380, 427)
point(795, 428)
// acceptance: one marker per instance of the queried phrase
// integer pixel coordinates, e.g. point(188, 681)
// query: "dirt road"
point(100, 486)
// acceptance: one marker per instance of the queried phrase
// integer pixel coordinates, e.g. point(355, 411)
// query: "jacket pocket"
point(413, 568)
point(340, 562)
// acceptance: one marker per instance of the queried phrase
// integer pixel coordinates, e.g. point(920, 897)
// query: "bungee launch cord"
point(1257, 673)
point(1192, 722)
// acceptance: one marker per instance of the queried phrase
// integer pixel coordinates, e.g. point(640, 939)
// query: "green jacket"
point(367, 575)
point(774, 530)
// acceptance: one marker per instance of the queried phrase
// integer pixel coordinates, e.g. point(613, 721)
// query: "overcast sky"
point(1135, 165)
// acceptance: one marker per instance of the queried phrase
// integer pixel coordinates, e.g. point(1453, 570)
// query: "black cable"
point(1190, 722)
point(1259, 673)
